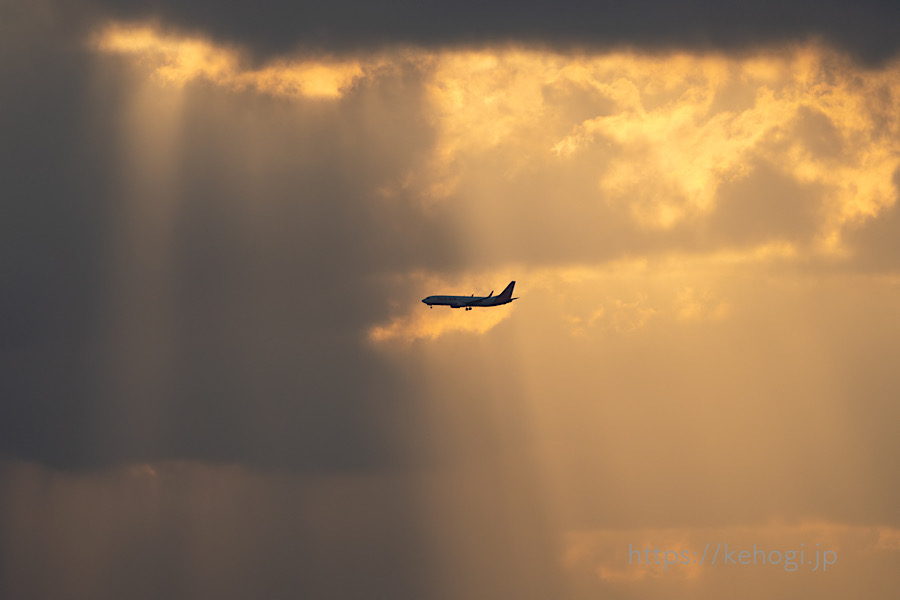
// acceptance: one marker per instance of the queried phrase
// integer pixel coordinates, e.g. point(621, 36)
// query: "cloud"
point(425, 325)
point(197, 271)
point(261, 234)
point(187, 529)
point(217, 378)
point(692, 142)
point(191, 529)
point(216, 366)
point(858, 27)
point(788, 147)
point(701, 152)
point(179, 60)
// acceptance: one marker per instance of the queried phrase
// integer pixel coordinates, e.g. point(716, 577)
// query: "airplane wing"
point(477, 300)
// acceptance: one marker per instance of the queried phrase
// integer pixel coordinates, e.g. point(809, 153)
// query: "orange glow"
point(676, 128)
point(179, 60)
point(680, 126)
point(430, 326)
point(686, 349)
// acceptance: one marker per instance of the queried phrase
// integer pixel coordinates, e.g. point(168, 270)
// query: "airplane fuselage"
point(470, 302)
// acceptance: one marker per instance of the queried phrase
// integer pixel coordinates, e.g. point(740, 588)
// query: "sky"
point(217, 377)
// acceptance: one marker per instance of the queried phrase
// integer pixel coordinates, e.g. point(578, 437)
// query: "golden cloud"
point(659, 135)
point(672, 130)
point(178, 60)
point(431, 324)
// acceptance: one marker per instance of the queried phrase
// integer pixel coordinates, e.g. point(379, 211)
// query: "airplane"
point(470, 302)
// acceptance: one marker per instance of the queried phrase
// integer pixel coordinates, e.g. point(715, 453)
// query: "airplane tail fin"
point(506, 294)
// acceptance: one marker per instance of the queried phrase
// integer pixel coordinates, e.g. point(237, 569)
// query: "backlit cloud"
point(178, 60)
point(664, 140)
point(673, 131)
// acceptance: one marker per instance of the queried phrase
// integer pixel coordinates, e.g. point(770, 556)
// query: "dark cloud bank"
point(242, 343)
point(864, 28)
point(258, 302)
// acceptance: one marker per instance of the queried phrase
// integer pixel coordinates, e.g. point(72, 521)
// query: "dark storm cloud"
point(865, 28)
point(241, 337)
point(55, 195)
point(275, 285)
point(193, 530)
